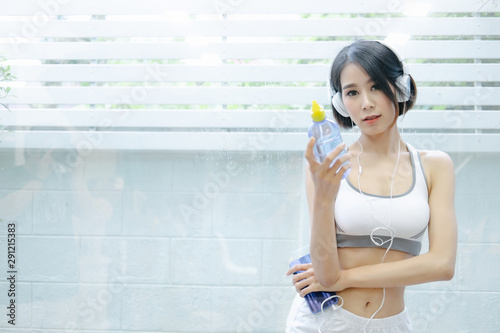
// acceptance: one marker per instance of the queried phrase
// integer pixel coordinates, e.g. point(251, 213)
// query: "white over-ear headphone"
point(402, 94)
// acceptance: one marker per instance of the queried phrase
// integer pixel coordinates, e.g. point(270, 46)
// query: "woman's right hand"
point(305, 280)
point(326, 179)
point(302, 273)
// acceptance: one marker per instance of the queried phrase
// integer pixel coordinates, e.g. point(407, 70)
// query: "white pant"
point(301, 320)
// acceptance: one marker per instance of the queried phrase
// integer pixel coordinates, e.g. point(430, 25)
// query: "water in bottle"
point(327, 135)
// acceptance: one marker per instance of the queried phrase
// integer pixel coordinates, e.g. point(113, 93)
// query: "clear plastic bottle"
point(327, 135)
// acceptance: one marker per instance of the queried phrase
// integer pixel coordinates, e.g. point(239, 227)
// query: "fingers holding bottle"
point(328, 174)
point(338, 160)
point(338, 154)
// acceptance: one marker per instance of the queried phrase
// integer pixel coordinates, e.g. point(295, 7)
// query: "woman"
point(366, 230)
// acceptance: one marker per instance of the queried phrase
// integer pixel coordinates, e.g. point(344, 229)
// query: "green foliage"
point(5, 75)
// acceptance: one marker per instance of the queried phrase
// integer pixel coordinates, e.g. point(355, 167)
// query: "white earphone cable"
point(377, 240)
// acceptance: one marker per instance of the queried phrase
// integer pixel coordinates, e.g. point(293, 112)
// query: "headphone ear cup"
point(404, 84)
point(338, 104)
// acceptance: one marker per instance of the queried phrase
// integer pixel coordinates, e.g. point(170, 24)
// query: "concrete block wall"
point(200, 242)
point(469, 302)
point(150, 241)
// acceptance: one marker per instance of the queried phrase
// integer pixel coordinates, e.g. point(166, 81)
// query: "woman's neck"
point(383, 144)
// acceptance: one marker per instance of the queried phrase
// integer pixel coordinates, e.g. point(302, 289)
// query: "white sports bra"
point(364, 220)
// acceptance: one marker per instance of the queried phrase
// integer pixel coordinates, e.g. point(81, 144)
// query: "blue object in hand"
point(315, 298)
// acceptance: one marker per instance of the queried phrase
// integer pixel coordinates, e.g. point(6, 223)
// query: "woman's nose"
point(367, 102)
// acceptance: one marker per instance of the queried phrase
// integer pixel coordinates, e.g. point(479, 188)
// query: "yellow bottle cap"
point(317, 112)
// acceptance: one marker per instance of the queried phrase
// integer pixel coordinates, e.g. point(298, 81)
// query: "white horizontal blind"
point(141, 75)
point(293, 27)
point(150, 7)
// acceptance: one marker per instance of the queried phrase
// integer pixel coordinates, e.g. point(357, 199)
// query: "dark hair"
point(380, 63)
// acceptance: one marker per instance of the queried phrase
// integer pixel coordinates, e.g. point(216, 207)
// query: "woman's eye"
point(351, 93)
point(375, 87)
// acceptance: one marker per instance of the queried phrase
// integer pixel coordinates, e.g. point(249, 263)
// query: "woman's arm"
point(437, 264)
point(322, 185)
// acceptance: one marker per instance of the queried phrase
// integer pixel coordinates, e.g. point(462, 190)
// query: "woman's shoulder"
point(435, 158)
point(437, 165)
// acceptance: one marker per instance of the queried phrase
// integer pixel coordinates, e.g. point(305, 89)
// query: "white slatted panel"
point(236, 73)
point(79, 64)
point(148, 7)
point(84, 142)
point(230, 119)
point(297, 27)
point(236, 50)
point(230, 95)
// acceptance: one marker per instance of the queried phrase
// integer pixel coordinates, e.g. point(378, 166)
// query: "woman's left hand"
point(305, 281)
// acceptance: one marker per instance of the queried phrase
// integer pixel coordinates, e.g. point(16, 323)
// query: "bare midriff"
point(365, 302)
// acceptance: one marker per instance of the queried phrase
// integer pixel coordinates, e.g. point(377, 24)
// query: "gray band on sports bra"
point(401, 244)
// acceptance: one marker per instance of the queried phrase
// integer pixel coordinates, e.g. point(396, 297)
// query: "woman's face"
point(370, 109)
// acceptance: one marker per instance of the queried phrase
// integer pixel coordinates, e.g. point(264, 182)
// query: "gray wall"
point(199, 242)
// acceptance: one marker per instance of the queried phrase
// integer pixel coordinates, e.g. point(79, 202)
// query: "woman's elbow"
point(442, 266)
point(328, 279)
point(446, 270)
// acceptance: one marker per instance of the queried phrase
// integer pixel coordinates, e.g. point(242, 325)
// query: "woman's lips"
point(371, 119)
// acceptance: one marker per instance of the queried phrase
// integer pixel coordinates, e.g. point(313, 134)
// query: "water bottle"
point(327, 135)
point(316, 298)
